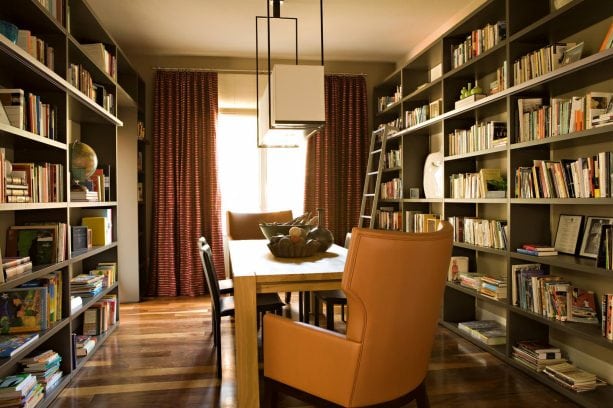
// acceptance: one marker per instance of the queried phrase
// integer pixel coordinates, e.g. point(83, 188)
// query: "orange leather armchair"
point(394, 284)
point(247, 225)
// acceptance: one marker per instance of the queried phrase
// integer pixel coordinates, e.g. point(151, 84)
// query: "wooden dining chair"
point(384, 356)
point(247, 226)
point(224, 305)
point(330, 298)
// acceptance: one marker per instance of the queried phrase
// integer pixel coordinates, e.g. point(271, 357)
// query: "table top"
point(252, 257)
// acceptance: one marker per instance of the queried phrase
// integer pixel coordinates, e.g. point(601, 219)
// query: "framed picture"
point(567, 236)
point(591, 235)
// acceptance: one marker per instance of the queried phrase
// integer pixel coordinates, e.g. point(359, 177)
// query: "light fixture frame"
point(308, 127)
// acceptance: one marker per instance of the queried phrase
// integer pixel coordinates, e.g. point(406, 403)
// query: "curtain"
point(337, 155)
point(186, 199)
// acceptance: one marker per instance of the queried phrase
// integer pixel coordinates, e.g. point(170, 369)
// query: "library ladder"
point(374, 168)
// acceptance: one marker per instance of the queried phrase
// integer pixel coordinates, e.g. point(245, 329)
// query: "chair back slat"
point(206, 257)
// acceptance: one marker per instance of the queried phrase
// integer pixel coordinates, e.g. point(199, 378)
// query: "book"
point(457, 265)
point(538, 247)
point(16, 385)
point(13, 101)
point(101, 229)
point(41, 361)
point(536, 253)
point(11, 344)
point(23, 310)
point(581, 306)
point(607, 41)
point(540, 350)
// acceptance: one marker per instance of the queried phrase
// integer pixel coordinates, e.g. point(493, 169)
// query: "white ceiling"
point(354, 30)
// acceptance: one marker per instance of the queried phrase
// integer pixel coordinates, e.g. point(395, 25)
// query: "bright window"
point(253, 179)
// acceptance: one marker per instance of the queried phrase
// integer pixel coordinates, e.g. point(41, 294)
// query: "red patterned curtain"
point(337, 155)
point(186, 199)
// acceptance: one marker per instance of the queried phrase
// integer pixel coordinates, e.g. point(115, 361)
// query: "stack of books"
point(86, 285)
point(471, 280)
point(85, 345)
point(488, 331)
point(493, 288)
point(537, 250)
point(45, 366)
point(574, 378)
point(16, 189)
point(537, 355)
point(84, 195)
point(20, 390)
point(16, 266)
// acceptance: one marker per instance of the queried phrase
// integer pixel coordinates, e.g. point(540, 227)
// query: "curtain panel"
point(186, 198)
point(337, 155)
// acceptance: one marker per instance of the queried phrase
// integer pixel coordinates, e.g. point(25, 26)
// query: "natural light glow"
point(253, 179)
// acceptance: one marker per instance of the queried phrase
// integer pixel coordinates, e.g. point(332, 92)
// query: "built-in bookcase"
point(433, 75)
point(65, 26)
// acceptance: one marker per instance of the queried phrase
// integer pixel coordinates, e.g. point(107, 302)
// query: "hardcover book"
point(12, 344)
point(23, 310)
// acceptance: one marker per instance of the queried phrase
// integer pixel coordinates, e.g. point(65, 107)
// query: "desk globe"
point(83, 163)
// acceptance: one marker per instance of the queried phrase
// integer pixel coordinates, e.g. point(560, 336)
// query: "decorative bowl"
point(9, 30)
point(286, 249)
point(270, 230)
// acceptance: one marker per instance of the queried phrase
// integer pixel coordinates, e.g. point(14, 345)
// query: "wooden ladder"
point(374, 168)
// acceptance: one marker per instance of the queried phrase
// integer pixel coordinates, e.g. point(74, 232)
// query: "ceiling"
point(354, 30)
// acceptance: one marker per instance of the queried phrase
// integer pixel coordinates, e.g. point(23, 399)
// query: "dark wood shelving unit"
point(529, 220)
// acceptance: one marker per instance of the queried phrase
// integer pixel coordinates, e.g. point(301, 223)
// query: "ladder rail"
point(373, 154)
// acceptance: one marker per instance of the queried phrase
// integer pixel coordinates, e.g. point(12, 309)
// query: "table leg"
point(246, 342)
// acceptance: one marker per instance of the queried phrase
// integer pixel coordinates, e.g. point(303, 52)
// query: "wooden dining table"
point(256, 270)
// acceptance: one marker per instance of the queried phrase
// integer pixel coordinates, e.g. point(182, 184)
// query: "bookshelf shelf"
point(78, 118)
point(498, 351)
point(90, 300)
point(528, 220)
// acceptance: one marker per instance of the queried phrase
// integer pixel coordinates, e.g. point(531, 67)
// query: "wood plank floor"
point(161, 356)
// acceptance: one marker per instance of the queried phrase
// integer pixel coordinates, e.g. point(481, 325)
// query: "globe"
point(83, 162)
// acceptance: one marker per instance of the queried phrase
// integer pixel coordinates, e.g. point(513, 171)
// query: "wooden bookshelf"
point(529, 220)
point(79, 118)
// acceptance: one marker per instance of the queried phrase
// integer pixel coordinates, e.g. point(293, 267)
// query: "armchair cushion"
point(308, 358)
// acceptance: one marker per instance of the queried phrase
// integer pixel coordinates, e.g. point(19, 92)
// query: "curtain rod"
point(241, 71)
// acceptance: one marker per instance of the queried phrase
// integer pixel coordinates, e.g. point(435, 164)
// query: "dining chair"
point(247, 226)
point(330, 298)
point(224, 305)
point(394, 283)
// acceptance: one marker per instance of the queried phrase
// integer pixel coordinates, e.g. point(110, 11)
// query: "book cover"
point(23, 310)
point(11, 344)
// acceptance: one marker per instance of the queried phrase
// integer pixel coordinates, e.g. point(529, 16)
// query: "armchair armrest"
point(318, 361)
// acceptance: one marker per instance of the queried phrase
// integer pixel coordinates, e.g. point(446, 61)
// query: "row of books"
point(480, 232)
point(545, 60)
point(551, 296)
point(585, 177)
point(537, 120)
point(393, 158)
point(33, 306)
point(480, 136)
point(489, 286)
point(391, 189)
point(489, 332)
point(472, 185)
point(417, 221)
point(477, 42)
point(31, 182)
point(416, 116)
point(389, 219)
point(384, 102)
point(55, 8)
point(501, 82)
point(36, 47)
point(44, 243)
point(394, 124)
point(28, 112)
point(80, 78)
point(98, 53)
point(102, 315)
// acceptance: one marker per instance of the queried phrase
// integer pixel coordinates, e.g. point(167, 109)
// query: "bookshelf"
point(529, 220)
point(67, 27)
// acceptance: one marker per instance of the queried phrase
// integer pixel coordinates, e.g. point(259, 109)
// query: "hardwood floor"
point(161, 356)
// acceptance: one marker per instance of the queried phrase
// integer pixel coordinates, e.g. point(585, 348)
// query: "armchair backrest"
point(206, 257)
point(394, 284)
point(247, 225)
